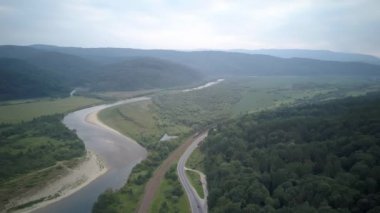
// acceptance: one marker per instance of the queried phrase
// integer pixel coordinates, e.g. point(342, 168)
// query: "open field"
point(140, 121)
point(13, 112)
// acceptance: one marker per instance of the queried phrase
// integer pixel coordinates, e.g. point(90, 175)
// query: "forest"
point(321, 157)
point(36, 144)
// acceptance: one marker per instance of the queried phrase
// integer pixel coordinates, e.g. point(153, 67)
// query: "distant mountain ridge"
point(25, 69)
point(315, 54)
point(106, 69)
point(224, 63)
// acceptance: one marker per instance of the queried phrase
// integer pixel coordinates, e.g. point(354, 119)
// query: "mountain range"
point(53, 70)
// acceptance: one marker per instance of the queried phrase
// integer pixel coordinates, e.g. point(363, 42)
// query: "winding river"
point(119, 152)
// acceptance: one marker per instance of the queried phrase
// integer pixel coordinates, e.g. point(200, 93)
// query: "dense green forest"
point(321, 157)
point(37, 144)
point(19, 79)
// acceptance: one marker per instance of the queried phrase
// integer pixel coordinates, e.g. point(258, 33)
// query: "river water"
point(119, 152)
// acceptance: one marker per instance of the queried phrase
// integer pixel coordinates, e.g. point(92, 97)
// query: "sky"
point(338, 25)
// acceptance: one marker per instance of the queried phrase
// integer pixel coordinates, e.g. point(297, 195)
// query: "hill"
point(219, 63)
point(20, 79)
point(143, 73)
point(133, 69)
point(315, 54)
point(314, 158)
point(52, 73)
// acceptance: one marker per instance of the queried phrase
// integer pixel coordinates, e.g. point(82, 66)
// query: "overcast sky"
point(339, 25)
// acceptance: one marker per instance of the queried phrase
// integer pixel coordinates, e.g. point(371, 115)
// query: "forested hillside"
point(143, 73)
point(26, 72)
point(313, 158)
point(223, 63)
point(19, 79)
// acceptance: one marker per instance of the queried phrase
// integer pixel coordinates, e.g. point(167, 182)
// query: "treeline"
point(36, 144)
point(313, 158)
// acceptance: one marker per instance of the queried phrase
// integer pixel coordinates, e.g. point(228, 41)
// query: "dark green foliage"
point(19, 79)
point(105, 203)
point(312, 158)
point(36, 144)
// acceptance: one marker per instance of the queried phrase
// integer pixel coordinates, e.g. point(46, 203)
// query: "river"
point(119, 152)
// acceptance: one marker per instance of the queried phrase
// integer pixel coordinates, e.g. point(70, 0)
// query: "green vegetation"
point(196, 160)
point(14, 112)
point(177, 113)
point(171, 197)
point(120, 95)
point(20, 79)
point(29, 152)
point(139, 121)
point(195, 180)
point(127, 198)
point(311, 158)
point(235, 97)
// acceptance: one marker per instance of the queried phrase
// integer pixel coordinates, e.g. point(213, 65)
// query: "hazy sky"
point(340, 25)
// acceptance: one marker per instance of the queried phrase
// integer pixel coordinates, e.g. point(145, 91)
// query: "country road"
point(197, 204)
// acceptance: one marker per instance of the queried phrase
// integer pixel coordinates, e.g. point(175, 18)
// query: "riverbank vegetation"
point(30, 151)
point(139, 121)
point(309, 158)
point(26, 110)
point(179, 113)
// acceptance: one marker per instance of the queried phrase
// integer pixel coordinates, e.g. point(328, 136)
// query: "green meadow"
point(14, 112)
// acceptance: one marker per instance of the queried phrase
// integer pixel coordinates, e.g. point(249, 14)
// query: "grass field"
point(140, 121)
point(195, 180)
point(13, 112)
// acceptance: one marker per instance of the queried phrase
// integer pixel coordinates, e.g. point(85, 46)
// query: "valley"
point(122, 126)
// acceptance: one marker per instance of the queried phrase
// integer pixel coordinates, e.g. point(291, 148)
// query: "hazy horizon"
point(351, 26)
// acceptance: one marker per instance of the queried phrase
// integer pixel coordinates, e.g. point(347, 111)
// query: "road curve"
point(197, 204)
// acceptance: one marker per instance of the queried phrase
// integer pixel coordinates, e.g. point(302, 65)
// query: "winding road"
point(197, 204)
